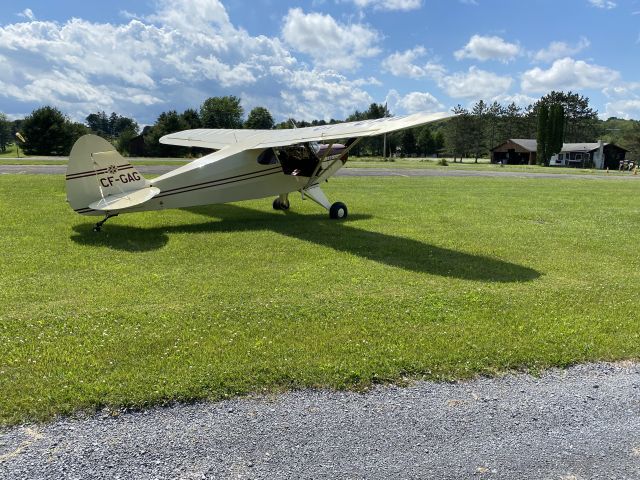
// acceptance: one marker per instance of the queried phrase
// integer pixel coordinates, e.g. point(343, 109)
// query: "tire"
point(338, 211)
point(279, 205)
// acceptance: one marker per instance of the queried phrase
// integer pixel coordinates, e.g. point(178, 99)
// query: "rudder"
point(96, 172)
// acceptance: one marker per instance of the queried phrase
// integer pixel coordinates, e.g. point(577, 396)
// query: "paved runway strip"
point(579, 423)
point(350, 172)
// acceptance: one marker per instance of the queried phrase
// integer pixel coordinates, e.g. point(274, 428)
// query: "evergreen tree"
point(48, 131)
point(457, 133)
point(477, 131)
point(543, 134)
point(556, 129)
point(580, 120)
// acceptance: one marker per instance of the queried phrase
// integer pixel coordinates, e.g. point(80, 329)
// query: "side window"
point(268, 157)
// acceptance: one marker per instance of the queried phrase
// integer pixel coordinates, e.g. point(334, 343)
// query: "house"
point(599, 155)
point(523, 151)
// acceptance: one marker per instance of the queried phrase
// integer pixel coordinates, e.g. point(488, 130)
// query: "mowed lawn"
point(440, 278)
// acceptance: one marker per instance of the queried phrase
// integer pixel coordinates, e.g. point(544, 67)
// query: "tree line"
point(556, 118)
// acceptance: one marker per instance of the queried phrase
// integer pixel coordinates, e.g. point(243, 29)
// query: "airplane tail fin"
point(100, 180)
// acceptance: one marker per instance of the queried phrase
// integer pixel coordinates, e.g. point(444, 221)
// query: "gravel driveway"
point(579, 423)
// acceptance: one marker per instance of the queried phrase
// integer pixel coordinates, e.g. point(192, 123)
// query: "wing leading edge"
point(221, 138)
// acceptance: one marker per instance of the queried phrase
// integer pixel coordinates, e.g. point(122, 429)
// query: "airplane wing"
point(221, 138)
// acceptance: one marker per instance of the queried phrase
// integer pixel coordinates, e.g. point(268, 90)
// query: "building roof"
point(532, 145)
point(580, 147)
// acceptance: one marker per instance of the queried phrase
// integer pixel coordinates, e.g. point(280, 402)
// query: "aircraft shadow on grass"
point(394, 251)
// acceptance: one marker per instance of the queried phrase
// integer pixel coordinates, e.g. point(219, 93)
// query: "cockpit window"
point(268, 157)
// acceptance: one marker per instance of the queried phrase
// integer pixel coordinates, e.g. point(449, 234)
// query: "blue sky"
point(316, 59)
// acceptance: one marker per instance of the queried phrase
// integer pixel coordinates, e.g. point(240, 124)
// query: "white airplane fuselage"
point(231, 178)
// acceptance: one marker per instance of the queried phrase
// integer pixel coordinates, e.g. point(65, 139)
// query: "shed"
point(515, 151)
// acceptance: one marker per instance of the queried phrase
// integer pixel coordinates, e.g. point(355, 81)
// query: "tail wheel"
point(338, 210)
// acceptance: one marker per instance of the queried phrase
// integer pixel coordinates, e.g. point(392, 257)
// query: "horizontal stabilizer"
point(119, 201)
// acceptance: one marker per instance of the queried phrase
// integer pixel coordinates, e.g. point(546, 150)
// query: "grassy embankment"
point(440, 278)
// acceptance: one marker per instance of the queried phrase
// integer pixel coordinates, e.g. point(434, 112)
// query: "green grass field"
point(438, 278)
point(11, 151)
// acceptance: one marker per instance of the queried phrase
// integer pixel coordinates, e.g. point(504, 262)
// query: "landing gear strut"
point(98, 226)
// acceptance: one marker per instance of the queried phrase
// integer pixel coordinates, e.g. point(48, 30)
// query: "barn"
point(515, 151)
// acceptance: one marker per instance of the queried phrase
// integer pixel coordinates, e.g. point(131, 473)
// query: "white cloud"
point(389, 4)
point(568, 74)
point(176, 57)
point(623, 89)
point(606, 4)
point(403, 64)
point(557, 50)
point(488, 48)
point(28, 14)
point(627, 109)
point(412, 102)
point(520, 99)
point(318, 94)
point(329, 43)
point(475, 84)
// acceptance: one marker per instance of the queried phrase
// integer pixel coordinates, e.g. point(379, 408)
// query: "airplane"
point(246, 164)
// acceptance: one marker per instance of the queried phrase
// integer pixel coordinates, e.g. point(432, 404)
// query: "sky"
point(316, 59)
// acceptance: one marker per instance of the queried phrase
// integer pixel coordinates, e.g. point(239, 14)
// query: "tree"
point(48, 132)
point(407, 142)
point(495, 124)
point(425, 141)
point(111, 127)
point(99, 123)
point(556, 129)
point(221, 112)
point(371, 146)
point(260, 118)
point(438, 141)
point(457, 133)
point(191, 118)
point(5, 132)
point(543, 134)
point(580, 122)
point(167, 122)
point(477, 129)
point(631, 139)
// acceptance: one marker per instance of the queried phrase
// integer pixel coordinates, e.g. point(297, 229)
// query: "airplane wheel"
point(279, 205)
point(338, 210)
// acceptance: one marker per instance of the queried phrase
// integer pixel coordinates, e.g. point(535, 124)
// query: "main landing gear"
point(337, 210)
point(281, 203)
point(98, 226)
